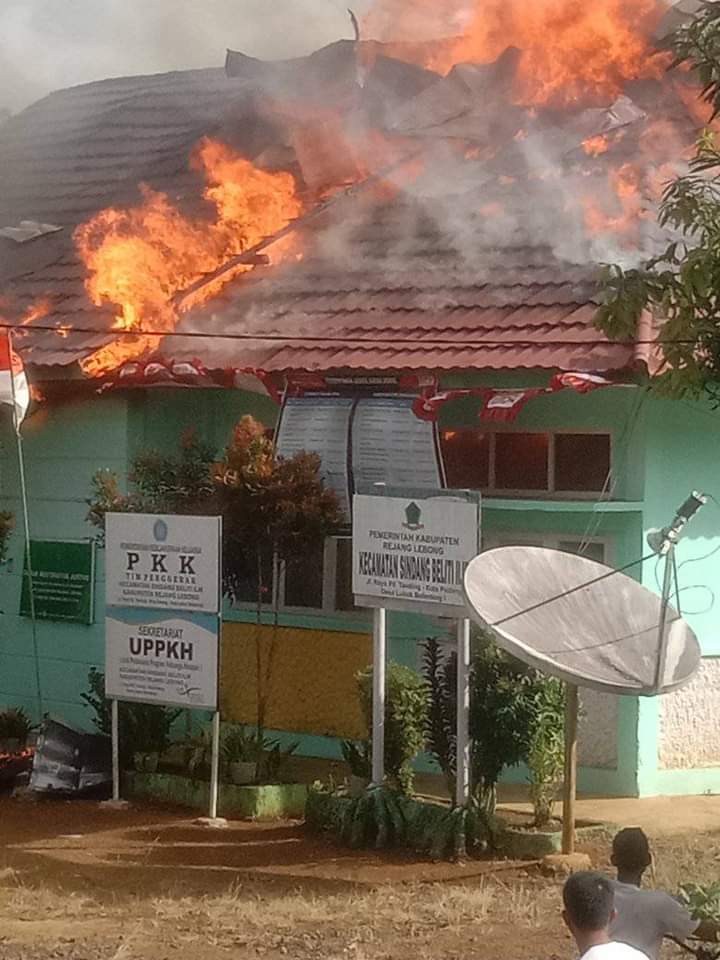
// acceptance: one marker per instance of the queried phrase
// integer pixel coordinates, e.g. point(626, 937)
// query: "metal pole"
point(379, 668)
point(570, 782)
point(462, 761)
point(215, 766)
point(662, 640)
point(115, 732)
point(26, 524)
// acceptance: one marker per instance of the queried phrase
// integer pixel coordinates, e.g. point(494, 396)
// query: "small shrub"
point(441, 676)
point(546, 755)
point(357, 754)
point(239, 746)
point(15, 725)
point(703, 901)
point(406, 716)
point(143, 727)
point(502, 714)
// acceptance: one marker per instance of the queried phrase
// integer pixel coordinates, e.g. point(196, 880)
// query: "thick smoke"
point(50, 44)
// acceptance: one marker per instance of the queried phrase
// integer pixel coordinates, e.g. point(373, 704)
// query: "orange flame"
point(38, 310)
point(572, 51)
point(626, 184)
point(139, 258)
point(595, 146)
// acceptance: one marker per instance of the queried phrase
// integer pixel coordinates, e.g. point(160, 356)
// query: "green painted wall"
point(662, 450)
point(682, 455)
point(64, 446)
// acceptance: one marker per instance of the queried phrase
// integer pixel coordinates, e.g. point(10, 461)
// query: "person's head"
point(631, 853)
point(589, 907)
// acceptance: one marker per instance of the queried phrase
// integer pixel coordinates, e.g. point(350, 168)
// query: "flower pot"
point(357, 786)
point(242, 772)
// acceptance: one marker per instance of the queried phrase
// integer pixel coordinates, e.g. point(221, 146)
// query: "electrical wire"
point(65, 331)
point(613, 476)
point(567, 593)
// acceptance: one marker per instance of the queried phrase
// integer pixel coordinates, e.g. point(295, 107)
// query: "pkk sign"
point(412, 553)
point(63, 579)
point(161, 659)
point(163, 562)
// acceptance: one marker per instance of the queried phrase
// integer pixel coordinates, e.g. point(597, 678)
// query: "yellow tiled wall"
point(312, 678)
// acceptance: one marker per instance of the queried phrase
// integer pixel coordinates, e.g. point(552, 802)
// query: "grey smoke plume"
point(49, 44)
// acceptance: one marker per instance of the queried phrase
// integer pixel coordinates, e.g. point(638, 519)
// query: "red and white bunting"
point(504, 405)
point(580, 382)
point(14, 386)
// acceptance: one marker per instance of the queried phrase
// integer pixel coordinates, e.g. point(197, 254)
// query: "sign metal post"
point(115, 733)
point(162, 623)
point(410, 551)
point(462, 780)
point(379, 670)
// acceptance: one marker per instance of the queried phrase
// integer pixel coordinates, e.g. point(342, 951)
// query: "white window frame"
point(525, 538)
point(548, 492)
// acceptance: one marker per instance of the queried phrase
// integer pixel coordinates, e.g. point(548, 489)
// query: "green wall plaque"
point(63, 581)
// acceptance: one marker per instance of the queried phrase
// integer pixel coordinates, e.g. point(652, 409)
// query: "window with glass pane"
point(582, 461)
point(521, 461)
point(304, 581)
point(593, 551)
point(466, 455)
point(246, 591)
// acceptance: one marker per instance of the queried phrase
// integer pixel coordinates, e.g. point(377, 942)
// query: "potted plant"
point(146, 762)
point(15, 729)
point(357, 755)
point(240, 752)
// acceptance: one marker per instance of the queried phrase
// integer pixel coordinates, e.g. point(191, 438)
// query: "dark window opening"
point(304, 581)
point(582, 461)
point(521, 461)
point(466, 454)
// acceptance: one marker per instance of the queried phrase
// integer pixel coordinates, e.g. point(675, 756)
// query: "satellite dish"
point(580, 620)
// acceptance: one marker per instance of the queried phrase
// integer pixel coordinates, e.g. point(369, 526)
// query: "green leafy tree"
point(680, 287)
point(181, 483)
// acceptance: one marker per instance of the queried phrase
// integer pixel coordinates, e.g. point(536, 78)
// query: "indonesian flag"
point(13, 382)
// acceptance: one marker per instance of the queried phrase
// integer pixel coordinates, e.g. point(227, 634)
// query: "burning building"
point(397, 240)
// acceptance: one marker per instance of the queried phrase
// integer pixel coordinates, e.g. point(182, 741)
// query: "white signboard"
point(391, 445)
point(410, 553)
point(151, 659)
point(162, 562)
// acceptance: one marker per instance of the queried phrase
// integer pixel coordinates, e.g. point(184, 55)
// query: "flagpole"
point(26, 524)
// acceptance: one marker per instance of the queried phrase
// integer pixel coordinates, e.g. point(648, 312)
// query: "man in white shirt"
point(589, 910)
point(644, 917)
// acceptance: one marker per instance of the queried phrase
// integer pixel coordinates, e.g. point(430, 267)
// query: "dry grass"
point(32, 903)
point(429, 907)
point(694, 859)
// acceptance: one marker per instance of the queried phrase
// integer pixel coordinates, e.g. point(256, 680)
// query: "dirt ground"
point(81, 883)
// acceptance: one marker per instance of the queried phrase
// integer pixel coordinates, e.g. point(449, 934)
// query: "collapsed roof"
point(473, 249)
